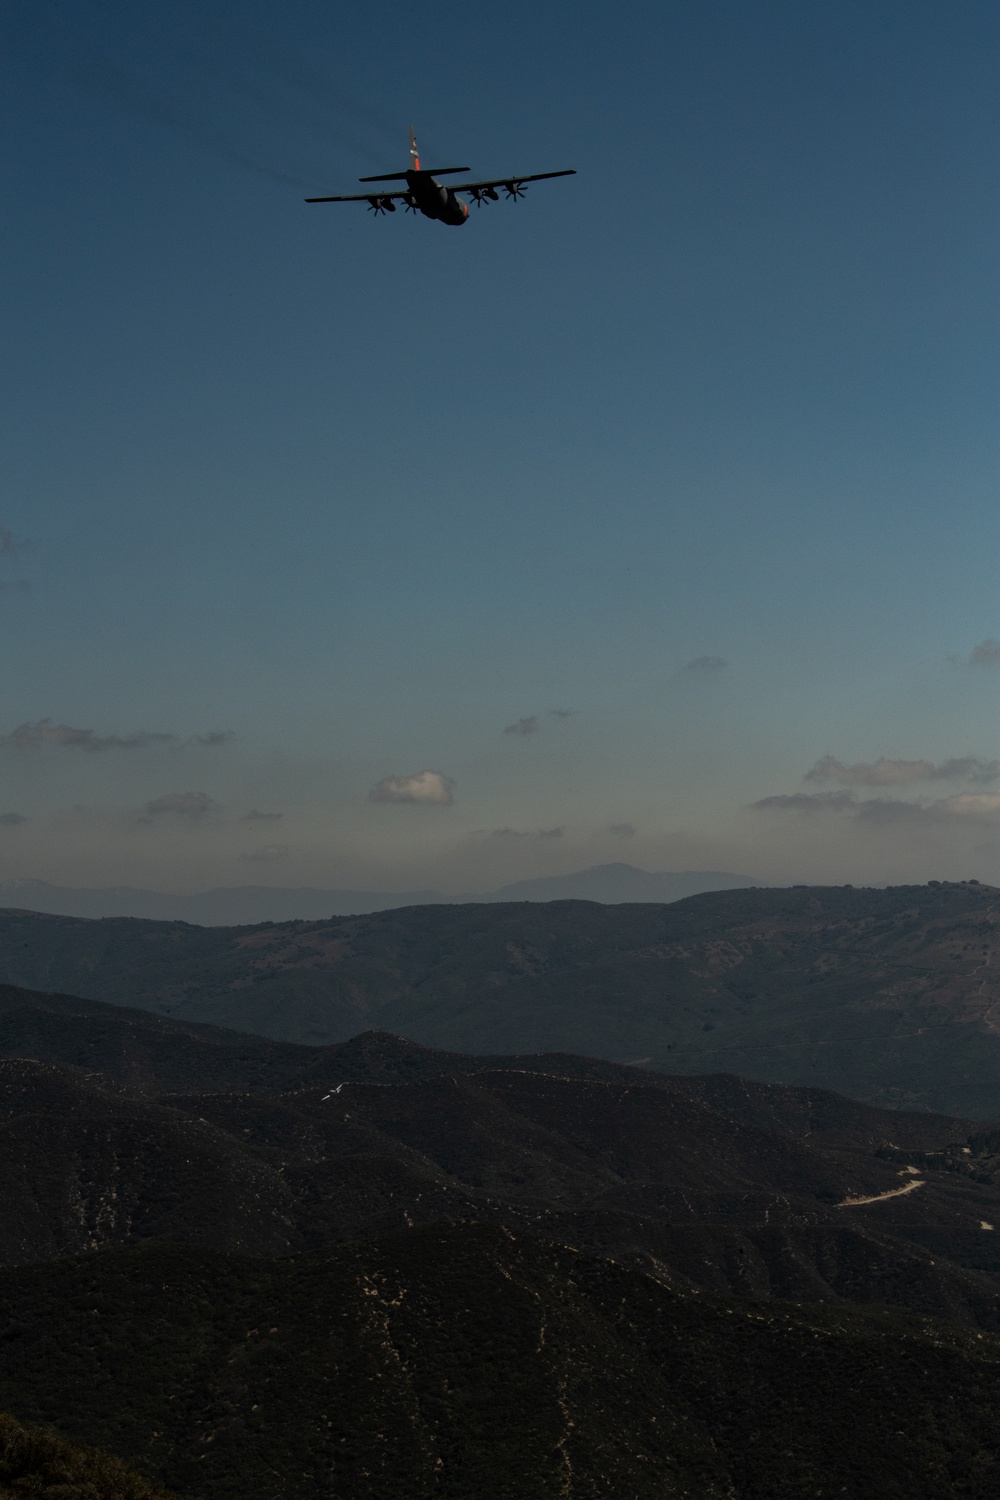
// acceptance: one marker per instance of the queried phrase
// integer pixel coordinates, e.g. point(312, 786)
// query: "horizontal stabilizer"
point(428, 171)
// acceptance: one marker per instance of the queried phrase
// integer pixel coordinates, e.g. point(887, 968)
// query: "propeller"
point(378, 206)
point(514, 189)
point(410, 204)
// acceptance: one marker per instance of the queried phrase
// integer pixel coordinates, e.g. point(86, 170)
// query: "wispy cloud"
point(33, 736)
point(986, 654)
point(706, 664)
point(807, 802)
point(964, 807)
point(528, 725)
point(266, 855)
point(213, 738)
point(431, 787)
point(527, 833)
point(12, 819)
point(623, 830)
point(902, 772)
point(256, 816)
point(191, 805)
point(563, 713)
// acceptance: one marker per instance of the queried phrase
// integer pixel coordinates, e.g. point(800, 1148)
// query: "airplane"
point(425, 194)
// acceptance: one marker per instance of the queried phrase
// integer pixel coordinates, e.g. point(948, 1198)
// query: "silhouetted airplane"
point(433, 200)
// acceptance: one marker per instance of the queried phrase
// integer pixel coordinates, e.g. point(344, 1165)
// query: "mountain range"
point(233, 906)
point(488, 1213)
point(889, 996)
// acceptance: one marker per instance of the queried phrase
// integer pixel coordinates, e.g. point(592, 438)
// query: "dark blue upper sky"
point(366, 492)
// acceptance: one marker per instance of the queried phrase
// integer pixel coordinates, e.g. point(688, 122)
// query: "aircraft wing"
point(495, 182)
point(359, 197)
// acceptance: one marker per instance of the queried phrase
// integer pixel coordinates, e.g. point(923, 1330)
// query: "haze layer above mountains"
point(887, 996)
point(241, 904)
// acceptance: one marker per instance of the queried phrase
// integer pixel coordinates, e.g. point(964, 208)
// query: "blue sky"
point(360, 494)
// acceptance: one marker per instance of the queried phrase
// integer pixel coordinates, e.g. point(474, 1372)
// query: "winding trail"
point(909, 1187)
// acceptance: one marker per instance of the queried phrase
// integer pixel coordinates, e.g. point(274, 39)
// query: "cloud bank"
point(12, 819)
point(430, 787)
point(982, 808)
point(902, 772)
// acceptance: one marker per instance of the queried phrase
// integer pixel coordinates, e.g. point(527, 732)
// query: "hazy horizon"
point(651, 520)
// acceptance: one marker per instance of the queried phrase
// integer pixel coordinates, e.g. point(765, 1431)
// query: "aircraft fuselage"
point(435, 201)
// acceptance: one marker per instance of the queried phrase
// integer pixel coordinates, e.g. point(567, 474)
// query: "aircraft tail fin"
point(414, 153)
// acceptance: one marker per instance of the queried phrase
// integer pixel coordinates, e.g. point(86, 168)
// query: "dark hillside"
point(883, 995)
point(749, 1188)
point(461, 1361)
point(37, 1464)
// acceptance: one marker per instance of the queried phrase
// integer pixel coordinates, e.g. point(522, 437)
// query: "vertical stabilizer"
point(414, 153)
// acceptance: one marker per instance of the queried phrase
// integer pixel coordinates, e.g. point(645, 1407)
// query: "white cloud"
point(431, 787)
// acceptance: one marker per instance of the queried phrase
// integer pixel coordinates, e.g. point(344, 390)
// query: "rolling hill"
point(710, 1182)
